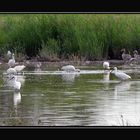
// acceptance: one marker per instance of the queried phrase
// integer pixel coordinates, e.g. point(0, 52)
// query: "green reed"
point(63, 36)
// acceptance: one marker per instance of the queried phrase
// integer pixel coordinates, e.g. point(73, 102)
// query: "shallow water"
point(56, 98)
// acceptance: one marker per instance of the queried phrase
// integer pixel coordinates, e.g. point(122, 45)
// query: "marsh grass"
point(69, 36)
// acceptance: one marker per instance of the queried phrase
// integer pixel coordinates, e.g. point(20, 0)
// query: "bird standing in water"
point(136, 56)
point(16, 84)
point(70, 68)
point(19, 68)
point(106, 65)
point(126, 57)
point(9, 54)
point(11, 61)
point(121, 75)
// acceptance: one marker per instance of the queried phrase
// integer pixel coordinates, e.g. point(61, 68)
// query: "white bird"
point(126, 57)
point(19, 68)
point(121, 75)
point(9, 54)
point(11, 61)
point(106, 65)
point(136, 55)
point(15, 84)
point(70, 68)
point(11, 71)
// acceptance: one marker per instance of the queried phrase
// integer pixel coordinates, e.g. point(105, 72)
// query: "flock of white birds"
point(128, 59)
point(14, 69)
point(119, 74)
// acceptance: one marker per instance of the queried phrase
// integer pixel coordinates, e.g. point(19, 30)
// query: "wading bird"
point(11, 81)
point(16, 84)
point(11, 61)
point(121, 75)
point(125, 57)
point(70, 68)
point(11, 71)
point(106, 65)
point(9, 54)
point(19, 68)
point(136, 55)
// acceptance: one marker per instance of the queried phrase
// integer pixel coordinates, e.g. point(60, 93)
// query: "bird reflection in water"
point(16, 100)
point(106, 79)
point(69, 77)
point(122, 87)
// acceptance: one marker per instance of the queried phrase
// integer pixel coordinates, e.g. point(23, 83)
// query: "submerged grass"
point(69, 36)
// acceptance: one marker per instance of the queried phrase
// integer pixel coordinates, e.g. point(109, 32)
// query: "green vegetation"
point(69, 36)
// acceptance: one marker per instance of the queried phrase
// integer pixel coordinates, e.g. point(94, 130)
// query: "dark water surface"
point(54, 98)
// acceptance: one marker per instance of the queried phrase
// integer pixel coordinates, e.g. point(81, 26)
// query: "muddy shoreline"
point(32, 63)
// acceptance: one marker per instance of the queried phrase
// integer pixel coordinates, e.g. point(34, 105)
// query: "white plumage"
point(9, 54)
point(106, 65)
point(21, 79)
point(12, 82)
point(70, 68)
point(11, 61)
point(19, 68)
point(15, 70)
point(125, 57)
point(11, 71)
point(136, 55)
point(121, 75)
point(16, 84)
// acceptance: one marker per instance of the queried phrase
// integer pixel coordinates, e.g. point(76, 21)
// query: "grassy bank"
point(69, 36)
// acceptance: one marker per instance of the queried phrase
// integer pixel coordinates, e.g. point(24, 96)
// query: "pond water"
point(49, 97)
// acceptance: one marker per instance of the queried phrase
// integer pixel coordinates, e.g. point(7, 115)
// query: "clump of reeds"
point(62, 36)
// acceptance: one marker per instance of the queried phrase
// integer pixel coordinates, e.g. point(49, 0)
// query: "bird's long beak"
point(11, 78)
point(111, 70)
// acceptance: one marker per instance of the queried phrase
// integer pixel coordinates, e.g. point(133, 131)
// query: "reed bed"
point(69, 36)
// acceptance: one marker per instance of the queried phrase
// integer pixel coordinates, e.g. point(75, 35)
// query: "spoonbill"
point(125, 57)
point(121, 75)
point(12, 82)
point(136, 55)
point(106, 65)
point(70, 68)
point(9, 54)
point(11, 61)
point(19, 68)
point(11, 71)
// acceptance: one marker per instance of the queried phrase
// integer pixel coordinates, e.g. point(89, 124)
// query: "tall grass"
point(63, 36)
